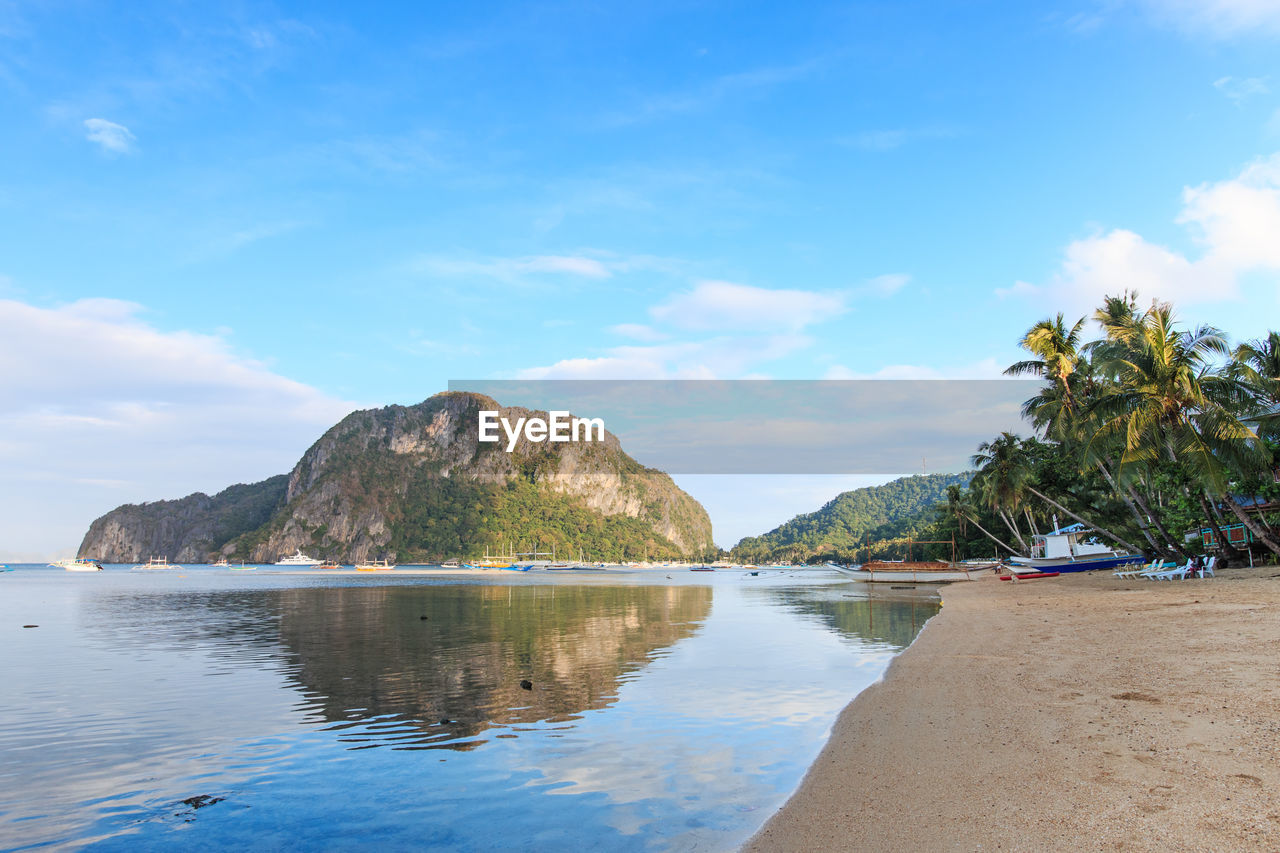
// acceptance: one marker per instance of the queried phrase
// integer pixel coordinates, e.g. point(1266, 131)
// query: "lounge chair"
point(1169, 574)
point(1130, 572)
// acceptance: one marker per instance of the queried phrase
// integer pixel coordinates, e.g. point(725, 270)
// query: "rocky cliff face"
point(186, 530)
point(415, 483)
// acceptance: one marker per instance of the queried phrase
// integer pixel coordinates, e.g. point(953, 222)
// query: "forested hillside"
point(885, 515)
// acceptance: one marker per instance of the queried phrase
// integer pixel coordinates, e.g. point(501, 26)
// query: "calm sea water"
point(234, 710)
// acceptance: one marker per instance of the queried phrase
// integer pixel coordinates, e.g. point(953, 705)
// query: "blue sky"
point(222, 226)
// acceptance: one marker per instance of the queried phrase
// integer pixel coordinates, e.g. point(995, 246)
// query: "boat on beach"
point(898, 571)
point(1070, 549)
point(374, 566)
point(77, 564)
point(299, 559)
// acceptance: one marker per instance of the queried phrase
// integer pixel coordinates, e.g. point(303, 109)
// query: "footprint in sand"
point(1130, 696)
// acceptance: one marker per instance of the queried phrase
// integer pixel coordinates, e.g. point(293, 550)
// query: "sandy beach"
point(1079, 712)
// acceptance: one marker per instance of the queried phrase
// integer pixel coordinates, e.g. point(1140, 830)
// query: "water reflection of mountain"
point(436, 666)
point(872, 617)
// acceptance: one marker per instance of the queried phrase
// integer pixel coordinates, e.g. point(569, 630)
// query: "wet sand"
point(1079, 712)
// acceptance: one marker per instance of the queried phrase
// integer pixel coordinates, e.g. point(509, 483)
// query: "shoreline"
point(1080, 712)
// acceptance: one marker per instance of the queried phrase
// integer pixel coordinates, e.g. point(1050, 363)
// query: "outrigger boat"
point(374, 566)
point(78, 564)
point(1068, 549)
point(933, 571)
point(156, 563)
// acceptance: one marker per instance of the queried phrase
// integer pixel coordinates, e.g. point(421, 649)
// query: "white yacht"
point(299, 559)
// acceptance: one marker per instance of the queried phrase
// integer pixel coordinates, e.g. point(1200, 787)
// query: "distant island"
point(413, 484)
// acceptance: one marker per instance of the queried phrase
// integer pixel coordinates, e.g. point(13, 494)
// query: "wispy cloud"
point(710, 93)
point(886, 285)
point(513, 270)
point(1217, 18)
point(114, 138)
point(713, 305)
point(889, 139)
point(1240, 89)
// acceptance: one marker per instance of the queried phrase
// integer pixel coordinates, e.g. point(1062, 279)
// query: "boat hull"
point(1066, 564)
point(909, 575)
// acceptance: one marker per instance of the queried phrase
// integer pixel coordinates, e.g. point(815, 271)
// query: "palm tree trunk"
point(1012, 528)
point(1102, 530)
point(1172, 542)
point(1128, 496)
point(992, 537)
point(1256, 529)
point(1031, 521)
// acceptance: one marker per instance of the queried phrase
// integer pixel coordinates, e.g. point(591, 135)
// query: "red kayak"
point(1031, 576)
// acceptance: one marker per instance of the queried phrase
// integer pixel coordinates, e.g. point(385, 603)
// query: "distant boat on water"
point(450, 564)
point(328, 565)
point(155, 563)
point(221, 564)
point(77, 564)
point(374, 566)
point(299, 559)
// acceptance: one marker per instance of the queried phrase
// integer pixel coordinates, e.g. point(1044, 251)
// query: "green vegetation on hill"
point(884, 516)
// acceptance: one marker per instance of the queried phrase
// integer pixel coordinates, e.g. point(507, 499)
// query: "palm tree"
point(1001, 481)
point(1061, 409)
point(1169, 401)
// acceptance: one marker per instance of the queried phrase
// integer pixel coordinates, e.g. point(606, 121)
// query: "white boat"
point(299, 559)
point(221, 564)
point(77, 564)
point(1070, 549)
point(374, 566)
point(886, 571)
point(155, 563)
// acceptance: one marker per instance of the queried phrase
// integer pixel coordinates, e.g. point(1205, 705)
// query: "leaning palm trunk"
point(1256, 529)
point(1013, 528)
point(992, 537)
point(1137, 507)
point(1171, 541)
point(1107, 533)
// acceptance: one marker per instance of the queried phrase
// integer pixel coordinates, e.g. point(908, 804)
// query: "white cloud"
point(113, 137)
point(723, 305)
point(1240, 89)
point(99, 408)
point(1235, 222)
point(1218, 17)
